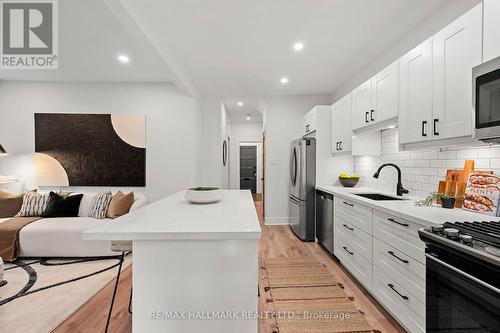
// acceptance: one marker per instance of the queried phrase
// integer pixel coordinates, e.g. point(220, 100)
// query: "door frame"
point(260, 163)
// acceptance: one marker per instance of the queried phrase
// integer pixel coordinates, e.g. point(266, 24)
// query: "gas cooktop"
point(480, 239)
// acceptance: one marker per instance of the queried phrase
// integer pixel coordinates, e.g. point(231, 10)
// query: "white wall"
point(172, 123)
point(425, 29)
point(283, 124)
point(215, 128)
point(244, 132)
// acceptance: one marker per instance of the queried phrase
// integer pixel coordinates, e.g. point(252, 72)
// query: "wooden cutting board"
point(456, 181)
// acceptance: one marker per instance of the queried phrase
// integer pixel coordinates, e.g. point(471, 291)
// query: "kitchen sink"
point(378, 196)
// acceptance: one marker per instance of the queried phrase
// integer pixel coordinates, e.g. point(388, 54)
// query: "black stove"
point(480, 239)
point(462, 276)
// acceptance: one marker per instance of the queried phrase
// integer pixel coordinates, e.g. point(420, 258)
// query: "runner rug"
point(307, 298)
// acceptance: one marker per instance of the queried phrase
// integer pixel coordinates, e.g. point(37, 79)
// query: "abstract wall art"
point(90, 149)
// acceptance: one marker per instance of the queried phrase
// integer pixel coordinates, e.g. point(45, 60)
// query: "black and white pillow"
point(100, 205)
point(34, 204)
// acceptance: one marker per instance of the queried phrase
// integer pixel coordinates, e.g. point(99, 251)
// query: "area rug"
point(306, 297)
point(41, 293)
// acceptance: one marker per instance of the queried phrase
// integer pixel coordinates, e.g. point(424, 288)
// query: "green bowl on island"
point(203, 195)
point(348, 180)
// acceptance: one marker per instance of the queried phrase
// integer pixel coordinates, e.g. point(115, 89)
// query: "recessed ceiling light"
point(298, 46)
point(124, 59)
point(240, 103)
point(284, 80)
point(248, 117)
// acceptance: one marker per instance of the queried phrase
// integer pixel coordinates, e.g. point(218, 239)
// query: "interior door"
point(248, 168)
point(385, 94)
point(361, 105)
point(456, 49)
point(415, 94)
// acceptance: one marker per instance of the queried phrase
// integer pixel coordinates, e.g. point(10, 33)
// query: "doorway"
point(248, 168)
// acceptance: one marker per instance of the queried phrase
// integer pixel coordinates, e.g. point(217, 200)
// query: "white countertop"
point(406, 208)
point(174, 218)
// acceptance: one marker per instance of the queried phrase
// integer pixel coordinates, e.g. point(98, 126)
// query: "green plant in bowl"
point(203, 188)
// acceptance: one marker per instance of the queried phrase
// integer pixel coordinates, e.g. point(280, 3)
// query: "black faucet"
point(399, 189)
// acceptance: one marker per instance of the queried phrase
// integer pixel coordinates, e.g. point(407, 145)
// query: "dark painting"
point(90, 150)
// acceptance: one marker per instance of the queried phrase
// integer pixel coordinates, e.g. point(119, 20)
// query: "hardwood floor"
point(277, 241)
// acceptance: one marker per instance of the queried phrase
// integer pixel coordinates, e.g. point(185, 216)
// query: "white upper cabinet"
point(415, 94)
point(435, 82)
point(385, 94)
point(491, 29)
point(376, 100)
point(341, 125)
point(309, 122)
point(361, 105)
point(456, 49)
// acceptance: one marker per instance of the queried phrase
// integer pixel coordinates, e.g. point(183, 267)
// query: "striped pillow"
point(100, 205)
point(34, 204)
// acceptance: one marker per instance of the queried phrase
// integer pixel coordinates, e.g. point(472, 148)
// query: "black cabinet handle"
point(397, 292)
point(347, 227)
point(366, 117)
point(400, 223)
point(371, 115)
point(436, 121)
point(395, 256)
point(340, 145)
point(346, 250)
point(348, 203)
point(424, 124)
point(336, 146)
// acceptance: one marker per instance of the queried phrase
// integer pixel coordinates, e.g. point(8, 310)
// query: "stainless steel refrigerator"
point(302, 191)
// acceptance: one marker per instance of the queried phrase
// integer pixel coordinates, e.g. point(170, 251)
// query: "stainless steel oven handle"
point(466, 275)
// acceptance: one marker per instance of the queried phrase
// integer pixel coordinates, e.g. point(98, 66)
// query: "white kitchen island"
point(195, 267)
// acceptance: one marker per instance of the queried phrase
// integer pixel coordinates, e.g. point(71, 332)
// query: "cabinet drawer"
point(400, 234)
point(354, 262)
point(404, 270)
point(359, 240)
point(354, 213)
point(405, 308)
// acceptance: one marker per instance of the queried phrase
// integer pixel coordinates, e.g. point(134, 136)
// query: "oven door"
point(458, 301)
point(486, 100)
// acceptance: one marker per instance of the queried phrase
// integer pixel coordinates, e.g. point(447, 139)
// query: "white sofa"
point(62, 237)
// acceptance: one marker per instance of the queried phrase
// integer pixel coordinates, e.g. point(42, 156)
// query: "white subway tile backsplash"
point(422, 170)
point(437, 163)
point(430, 155)
point(447, 155)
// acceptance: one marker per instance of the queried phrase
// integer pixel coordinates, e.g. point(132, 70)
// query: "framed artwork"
point(90, 149)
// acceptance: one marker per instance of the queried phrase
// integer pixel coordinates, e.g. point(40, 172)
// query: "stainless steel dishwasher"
point(324, 219)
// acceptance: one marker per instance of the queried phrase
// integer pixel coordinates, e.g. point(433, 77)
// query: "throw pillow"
point(62, 206)
point(100, 205)
point(10, 204)
point(34, 204)
point(120, 204)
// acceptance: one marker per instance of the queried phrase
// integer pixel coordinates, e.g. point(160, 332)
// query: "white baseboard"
point(277, 221)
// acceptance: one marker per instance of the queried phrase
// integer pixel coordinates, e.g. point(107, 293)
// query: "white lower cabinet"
point(406, 308)
point(359, 240)
point(359, 266)
point(384, 253)
point(406, 271)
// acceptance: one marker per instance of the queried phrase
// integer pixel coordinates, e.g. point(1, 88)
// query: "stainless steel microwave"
point(486, 100)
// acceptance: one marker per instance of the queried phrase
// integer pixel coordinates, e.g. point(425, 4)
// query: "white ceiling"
point(250, 108)
point(90, 38)
point(242, 47)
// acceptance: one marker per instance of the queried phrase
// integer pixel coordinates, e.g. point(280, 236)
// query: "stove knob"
point(437, 229)
point(466, 239)
point(451, 232)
